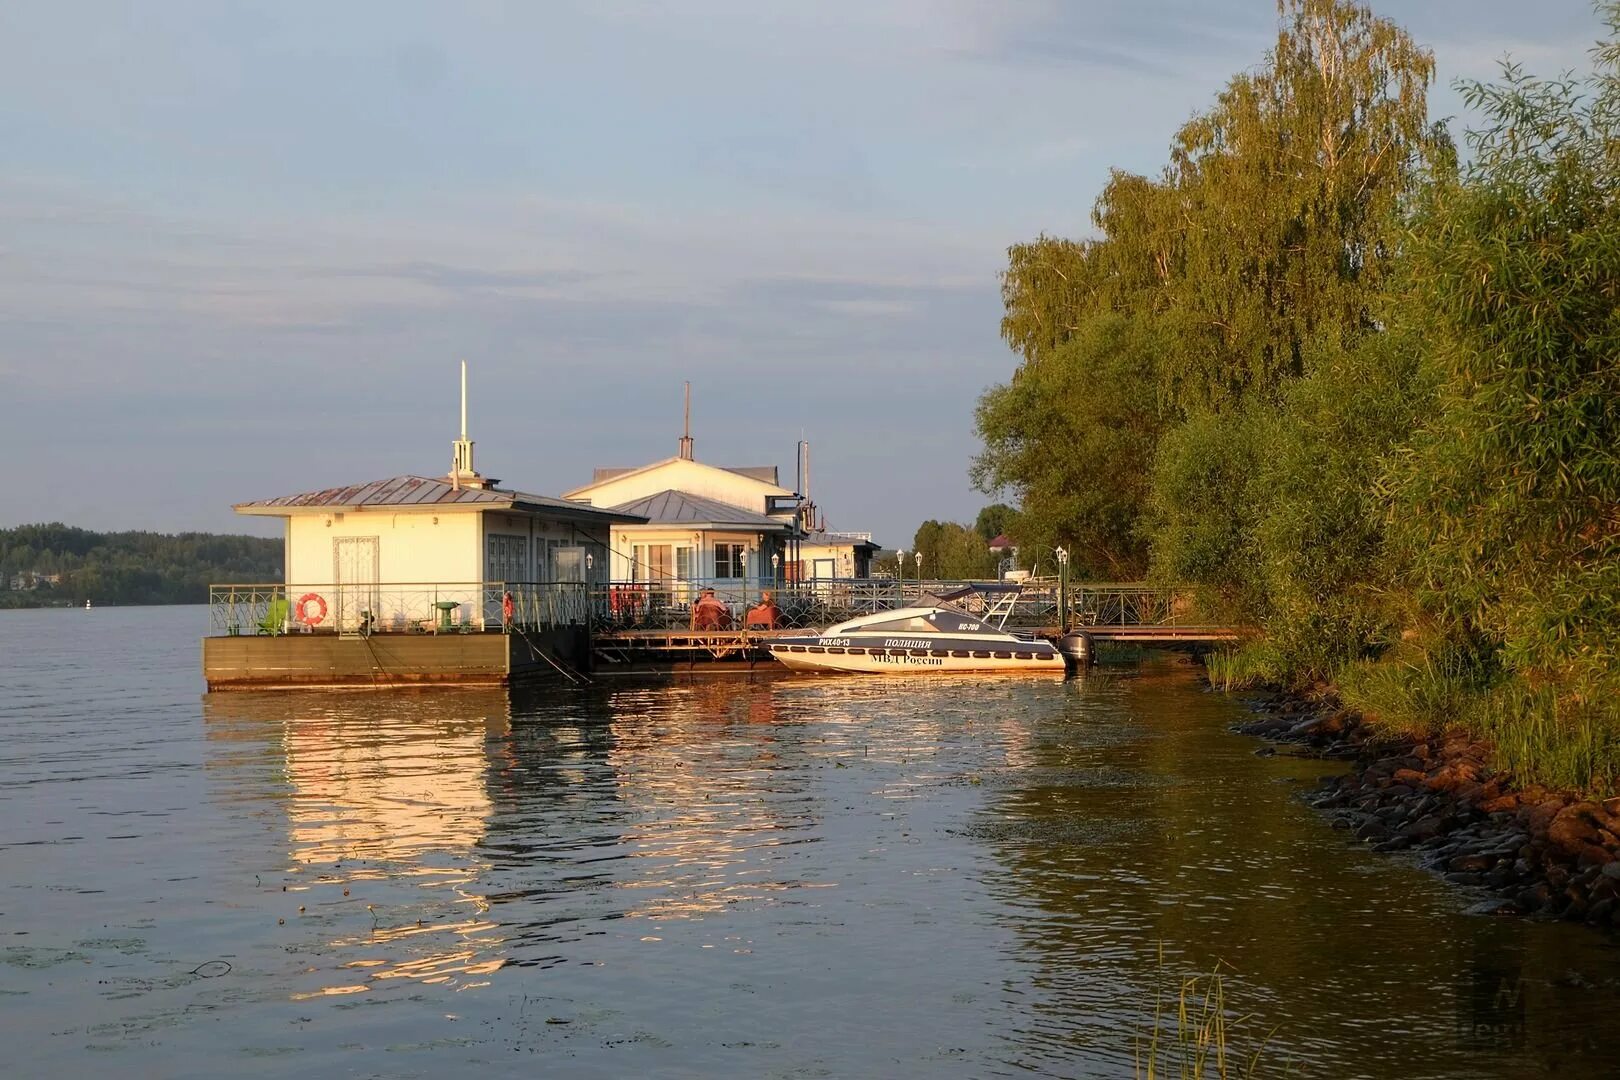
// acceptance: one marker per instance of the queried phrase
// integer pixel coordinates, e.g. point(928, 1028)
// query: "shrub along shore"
point(1355, 379)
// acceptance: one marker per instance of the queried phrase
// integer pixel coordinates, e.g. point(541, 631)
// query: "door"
point(354, 580)
point(567, 564)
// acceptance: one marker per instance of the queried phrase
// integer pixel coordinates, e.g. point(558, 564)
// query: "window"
point(651, 562)
point(685, 565)
point(506, 558)
point(729, 561)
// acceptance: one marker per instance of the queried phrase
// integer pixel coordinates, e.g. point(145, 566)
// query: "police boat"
point(933, 637)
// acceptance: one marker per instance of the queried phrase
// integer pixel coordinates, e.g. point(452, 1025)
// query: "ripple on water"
point(738, 876)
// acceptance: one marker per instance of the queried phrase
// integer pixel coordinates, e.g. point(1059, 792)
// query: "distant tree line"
point(953, 552)
point(126, 567)
point(1359, 390)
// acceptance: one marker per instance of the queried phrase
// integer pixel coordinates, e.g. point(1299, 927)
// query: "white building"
point(697, 522)
point(825, 555)
point(727, 527)
point(400, 548)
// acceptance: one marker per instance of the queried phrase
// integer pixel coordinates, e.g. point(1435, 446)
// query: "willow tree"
point(1266, 238)
point(1509, 502)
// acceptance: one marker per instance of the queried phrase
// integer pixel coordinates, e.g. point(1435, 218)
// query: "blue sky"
point(243, 246)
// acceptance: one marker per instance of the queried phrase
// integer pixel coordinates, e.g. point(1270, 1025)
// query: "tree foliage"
point(1508, 504)
point(1359, 393)
point(130, 567)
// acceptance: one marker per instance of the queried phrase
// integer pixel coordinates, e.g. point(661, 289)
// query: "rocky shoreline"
point(1541, 853)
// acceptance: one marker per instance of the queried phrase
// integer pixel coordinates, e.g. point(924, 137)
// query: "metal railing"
point(469, 607)
point(672, 604)
point(396, 607)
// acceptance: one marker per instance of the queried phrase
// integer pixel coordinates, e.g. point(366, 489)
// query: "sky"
point(244, 246)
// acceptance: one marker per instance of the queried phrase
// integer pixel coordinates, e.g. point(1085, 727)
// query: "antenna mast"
point(686, 439)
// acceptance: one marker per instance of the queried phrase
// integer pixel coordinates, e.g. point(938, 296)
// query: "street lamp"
point(919, 569)
point(900, 567)
point(776, 565)
point(1063, 589)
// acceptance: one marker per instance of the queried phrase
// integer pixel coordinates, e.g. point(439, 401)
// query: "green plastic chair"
point(275, 618)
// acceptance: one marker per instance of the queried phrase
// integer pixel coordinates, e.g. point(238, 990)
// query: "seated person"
point(709, 613)
point(764, 614)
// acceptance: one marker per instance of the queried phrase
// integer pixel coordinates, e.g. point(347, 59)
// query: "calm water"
point(734, 877)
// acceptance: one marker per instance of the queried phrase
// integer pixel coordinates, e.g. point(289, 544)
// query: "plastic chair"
point(275, 618)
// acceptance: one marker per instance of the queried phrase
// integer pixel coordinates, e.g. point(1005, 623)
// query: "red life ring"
point(506, 608)
point(302, 610)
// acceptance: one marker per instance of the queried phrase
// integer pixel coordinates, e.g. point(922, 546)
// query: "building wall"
point(842, 555)
point(701, 541)
point(692, 477)
point(412, 546)
point(543, 538)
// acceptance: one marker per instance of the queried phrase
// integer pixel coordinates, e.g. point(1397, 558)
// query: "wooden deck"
point(627, 648)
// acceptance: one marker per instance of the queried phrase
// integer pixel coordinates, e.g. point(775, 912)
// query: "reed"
point(1244, 668)
point(1192, 1036)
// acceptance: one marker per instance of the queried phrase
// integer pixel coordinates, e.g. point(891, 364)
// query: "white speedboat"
point(937, 638)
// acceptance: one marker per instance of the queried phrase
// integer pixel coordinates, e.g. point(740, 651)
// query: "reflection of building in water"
point(696, 769)
point(386, 805)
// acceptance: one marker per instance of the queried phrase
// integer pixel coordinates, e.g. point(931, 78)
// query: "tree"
point(1506, 505)
point(1268, 239)
point(994, 520)
point(1073, 438)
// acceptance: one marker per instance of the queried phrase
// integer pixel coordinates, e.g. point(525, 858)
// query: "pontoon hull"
point(1022, 657)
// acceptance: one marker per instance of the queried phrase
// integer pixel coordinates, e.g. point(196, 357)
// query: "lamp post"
point(776, 571)
point(1063, 590)
point(900, 568)
point(919, 573)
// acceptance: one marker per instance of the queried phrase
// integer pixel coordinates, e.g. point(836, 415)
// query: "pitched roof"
point(764, 474)
point(672, 507)
point(823, 536)
point(1000, 543)
point(424, 491)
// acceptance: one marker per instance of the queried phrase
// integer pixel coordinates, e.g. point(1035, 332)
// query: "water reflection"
point(376, 805)
point(850, 876)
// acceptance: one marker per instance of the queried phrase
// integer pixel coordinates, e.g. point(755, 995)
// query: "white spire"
point(461, 462)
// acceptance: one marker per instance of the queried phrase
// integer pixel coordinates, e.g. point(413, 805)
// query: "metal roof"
point(680, 507)
point(425, 491)
point(829, 537)
point(763, 474)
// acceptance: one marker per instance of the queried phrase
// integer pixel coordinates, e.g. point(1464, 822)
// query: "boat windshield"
point(935, 622)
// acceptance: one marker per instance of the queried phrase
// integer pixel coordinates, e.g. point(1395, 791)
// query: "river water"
point(760, 876)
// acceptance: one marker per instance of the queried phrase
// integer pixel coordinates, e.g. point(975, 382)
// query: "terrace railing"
point(670, 605)
point(479, 606)
point(396, 607)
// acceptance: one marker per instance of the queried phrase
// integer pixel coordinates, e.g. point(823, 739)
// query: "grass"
point(1565, 742)
point(1200, 1044)
point(1244, 668)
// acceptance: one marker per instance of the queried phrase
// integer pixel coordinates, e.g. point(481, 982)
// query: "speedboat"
point(935, 638)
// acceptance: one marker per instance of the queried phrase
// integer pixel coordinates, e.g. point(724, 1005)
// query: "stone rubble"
point(1549, 854)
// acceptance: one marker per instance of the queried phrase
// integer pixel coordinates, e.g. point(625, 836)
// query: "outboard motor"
point(1078, 650)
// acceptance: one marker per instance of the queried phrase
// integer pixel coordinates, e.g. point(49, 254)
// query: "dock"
point(505, 632)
